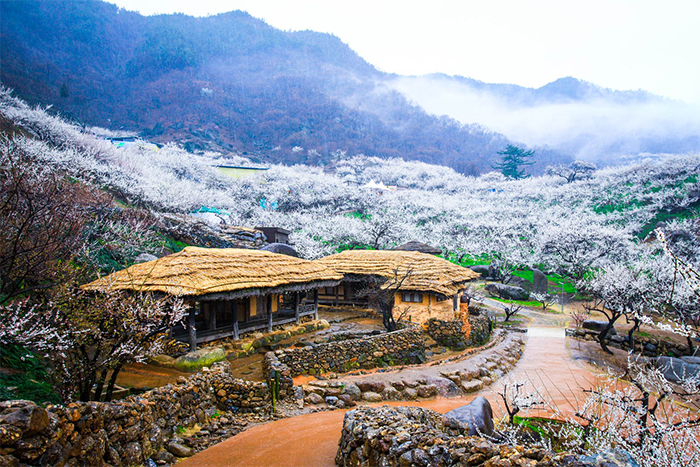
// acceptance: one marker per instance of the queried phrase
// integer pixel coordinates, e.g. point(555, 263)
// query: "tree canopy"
point(513, 158)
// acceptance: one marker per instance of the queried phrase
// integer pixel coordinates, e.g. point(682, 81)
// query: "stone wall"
point(448, 333)
point(404, 436)
point(276, 371)
point(481, 324)
point(404, 346)
point(124, 432)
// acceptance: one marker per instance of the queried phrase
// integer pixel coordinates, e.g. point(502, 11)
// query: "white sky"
point(620, 44)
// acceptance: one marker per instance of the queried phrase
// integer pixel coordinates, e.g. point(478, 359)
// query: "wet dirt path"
point(312, 439)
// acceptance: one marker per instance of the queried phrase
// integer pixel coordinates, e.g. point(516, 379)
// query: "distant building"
point(275, 234)
point(240, 172)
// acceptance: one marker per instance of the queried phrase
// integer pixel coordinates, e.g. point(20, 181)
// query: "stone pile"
point(277, 372)
point(481, 325)
point(408, 436)
point(129, 431)
point(405, 346)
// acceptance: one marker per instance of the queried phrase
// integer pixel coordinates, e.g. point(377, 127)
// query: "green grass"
point(25, 377)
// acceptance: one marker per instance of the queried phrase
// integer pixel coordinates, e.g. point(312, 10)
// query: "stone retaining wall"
point(448, 333)
point(124, 432)
point(481, 326)
point(404, 346)
point(469, 378)
point(405, 436)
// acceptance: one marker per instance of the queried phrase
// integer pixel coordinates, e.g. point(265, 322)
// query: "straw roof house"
point(426, 281)
point(425, 273)
point(200, 272)
point(231, 290)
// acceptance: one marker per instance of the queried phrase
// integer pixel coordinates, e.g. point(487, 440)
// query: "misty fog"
point(590, 128)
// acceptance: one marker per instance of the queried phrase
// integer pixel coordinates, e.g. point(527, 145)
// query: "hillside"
point(227, 82)
point(327, 209)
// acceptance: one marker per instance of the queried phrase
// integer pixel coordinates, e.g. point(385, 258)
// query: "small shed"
point(275, 234)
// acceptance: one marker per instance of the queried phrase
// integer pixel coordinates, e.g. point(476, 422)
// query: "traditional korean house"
point(430, 286)
point(231, 291)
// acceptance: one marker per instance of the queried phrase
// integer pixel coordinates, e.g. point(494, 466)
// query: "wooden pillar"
point(335, 289)
point(235, 318)
point(296, 306)
point(455, 303)
point(315, 303)
point(191, 330)
point(212, 315)
point(269, 312)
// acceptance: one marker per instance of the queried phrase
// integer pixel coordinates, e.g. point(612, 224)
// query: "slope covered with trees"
point(225, 82)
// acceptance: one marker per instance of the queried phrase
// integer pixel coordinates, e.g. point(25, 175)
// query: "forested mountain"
point(226, 82)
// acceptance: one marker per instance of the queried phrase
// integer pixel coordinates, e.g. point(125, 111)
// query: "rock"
point(372, 397)
point(145, 257)
point(675, 369)
point(371, 386)
point(332, 400)
point(163, 360)
point(281, 248)
point(475, 418)
point(693, 360)
point(352, 391)
point(391, 394)
point(179, 450)
point(471, 386)
point(198, 359)
point(427, 391)
point(598, 326)
point(610, 458)
point(314, 399)
point(539, 281)
point(410, 394)
point(650, 350)
point(347, 400)
point(507, 291)
point(24, 415)
point(483, 269)
point(517, 281)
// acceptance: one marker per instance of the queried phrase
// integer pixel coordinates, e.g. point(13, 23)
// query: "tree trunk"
point(601, 338)
point(691, 348)
point(100, 385)
point(112, 381)
point(630, 334)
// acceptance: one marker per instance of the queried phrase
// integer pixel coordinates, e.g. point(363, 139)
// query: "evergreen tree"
point(513, 159)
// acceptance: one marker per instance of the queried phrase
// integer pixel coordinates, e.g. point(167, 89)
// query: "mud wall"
point(124, 432)
point(404, 346)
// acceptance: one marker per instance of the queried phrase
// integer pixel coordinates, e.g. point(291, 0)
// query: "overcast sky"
point(620, 44)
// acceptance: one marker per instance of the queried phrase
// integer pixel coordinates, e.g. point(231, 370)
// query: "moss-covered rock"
point(163, 360)
point(198, 359)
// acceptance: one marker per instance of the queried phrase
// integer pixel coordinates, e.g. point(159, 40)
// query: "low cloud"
point(592, 129)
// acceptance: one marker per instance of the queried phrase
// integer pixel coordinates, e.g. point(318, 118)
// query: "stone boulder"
point(281, 249)
point(598, 326)
point(483, 269)
point(524, 284)
point(693, 360)
point(145, 257)
point(26, 416)
point(508, 292)
point(473, 419)
point(198, 359)
point(539, 281)
point(675, 369)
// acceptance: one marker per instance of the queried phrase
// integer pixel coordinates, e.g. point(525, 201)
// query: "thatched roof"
point(427, 272)
point(418, 246)
point(235, 272)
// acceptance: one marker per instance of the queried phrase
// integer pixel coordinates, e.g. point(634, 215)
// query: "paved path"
point(312, 439)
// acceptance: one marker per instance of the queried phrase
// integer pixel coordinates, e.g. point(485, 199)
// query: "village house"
point(231, 291)
point(430, 286)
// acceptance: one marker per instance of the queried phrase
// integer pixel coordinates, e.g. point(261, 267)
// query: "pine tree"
point(513, 158)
